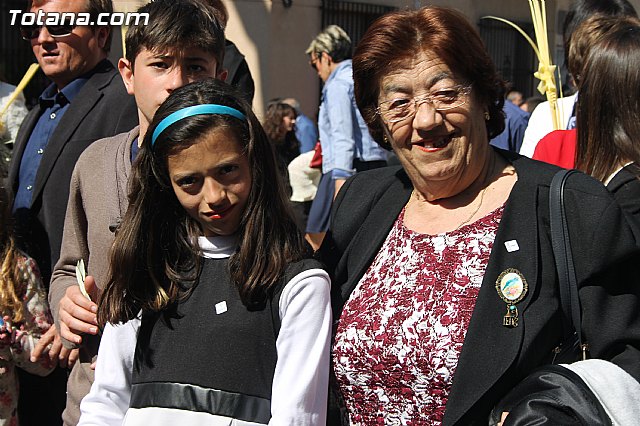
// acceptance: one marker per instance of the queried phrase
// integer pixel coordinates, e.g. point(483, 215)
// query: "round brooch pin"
point(512, 288)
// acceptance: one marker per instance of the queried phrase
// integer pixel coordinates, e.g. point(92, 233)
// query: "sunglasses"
point(314, 62)
point(29, 32)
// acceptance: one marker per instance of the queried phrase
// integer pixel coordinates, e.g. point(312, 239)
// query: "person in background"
point(531, 103)
point(184, 42)
point(306, 130)
point(279, 125)
point(516, 120)
point(540, 122)
point(515, 97)
point(347, 146)
point(213, 315)
point(445, 288)
point(238, 72)
point(303, 180)
point(608, 128)
point(86, 101)
point(24, 315)
point(300, 178)
point(559, 146)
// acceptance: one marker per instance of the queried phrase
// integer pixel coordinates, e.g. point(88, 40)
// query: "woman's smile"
point(433, 144)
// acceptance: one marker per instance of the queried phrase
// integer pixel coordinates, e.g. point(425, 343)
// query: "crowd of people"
point(168, 258)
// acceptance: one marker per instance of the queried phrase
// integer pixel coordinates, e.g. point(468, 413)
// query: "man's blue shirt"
point(306, 133)
point(344, 135)
point(516, 121)
point(54, 104)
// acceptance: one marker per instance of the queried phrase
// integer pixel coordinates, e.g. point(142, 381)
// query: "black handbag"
point(572, 348)
point(552, 394)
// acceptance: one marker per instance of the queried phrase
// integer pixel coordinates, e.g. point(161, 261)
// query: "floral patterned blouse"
point(18, 339)
point(400, 334)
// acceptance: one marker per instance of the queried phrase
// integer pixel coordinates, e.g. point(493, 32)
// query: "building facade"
point(273, 35)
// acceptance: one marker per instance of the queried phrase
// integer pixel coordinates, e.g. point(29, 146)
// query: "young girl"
point(234, 325)
point(24, 316)
point(279, 126)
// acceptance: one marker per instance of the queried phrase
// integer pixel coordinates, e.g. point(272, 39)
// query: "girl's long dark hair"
point(284, 142)
point(608, 104)
point(155, 258)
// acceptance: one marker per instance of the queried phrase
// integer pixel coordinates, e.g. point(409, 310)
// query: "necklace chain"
point(468, 219)
point(477, 209)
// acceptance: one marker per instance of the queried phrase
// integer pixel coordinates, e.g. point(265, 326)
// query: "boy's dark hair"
point(176, 25)
point(155, 259)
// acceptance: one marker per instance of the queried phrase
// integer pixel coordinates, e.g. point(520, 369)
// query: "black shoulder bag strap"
point(572, 344)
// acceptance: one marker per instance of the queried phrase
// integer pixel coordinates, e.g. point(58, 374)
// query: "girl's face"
point(289, 122)
point(212, 181)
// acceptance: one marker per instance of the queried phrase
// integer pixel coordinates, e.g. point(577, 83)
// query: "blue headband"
point(191, 111)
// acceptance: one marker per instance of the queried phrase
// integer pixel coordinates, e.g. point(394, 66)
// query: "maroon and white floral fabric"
point(401, 332)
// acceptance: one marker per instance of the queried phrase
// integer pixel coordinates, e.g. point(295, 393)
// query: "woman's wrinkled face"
point(212, 181)
point(448, 146)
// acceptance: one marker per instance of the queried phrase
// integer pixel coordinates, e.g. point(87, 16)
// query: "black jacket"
point(495, 358)
point(625, 187)
point(102, 108)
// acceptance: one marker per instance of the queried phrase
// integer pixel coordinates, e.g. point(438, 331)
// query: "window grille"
point(513, 56)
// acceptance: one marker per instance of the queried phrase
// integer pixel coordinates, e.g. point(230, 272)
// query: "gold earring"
point(487, 116)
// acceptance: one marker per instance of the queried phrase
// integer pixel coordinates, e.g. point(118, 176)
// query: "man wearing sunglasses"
point(86, 101)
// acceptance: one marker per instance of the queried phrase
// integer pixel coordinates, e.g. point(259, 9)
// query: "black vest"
point(211, 354)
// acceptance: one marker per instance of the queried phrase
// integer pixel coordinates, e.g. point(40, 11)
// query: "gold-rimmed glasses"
point(401, 109)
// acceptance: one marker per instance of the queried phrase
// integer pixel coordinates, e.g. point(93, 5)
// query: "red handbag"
point(316, 161)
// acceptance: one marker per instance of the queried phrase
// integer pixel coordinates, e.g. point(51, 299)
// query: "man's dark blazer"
point(494, 358)
point(102, 108)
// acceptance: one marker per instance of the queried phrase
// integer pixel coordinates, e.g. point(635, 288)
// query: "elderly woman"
point(423, 255)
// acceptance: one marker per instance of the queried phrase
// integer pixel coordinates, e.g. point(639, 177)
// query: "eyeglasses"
point(401, 109)
point(29, 32)
point(312, 63)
